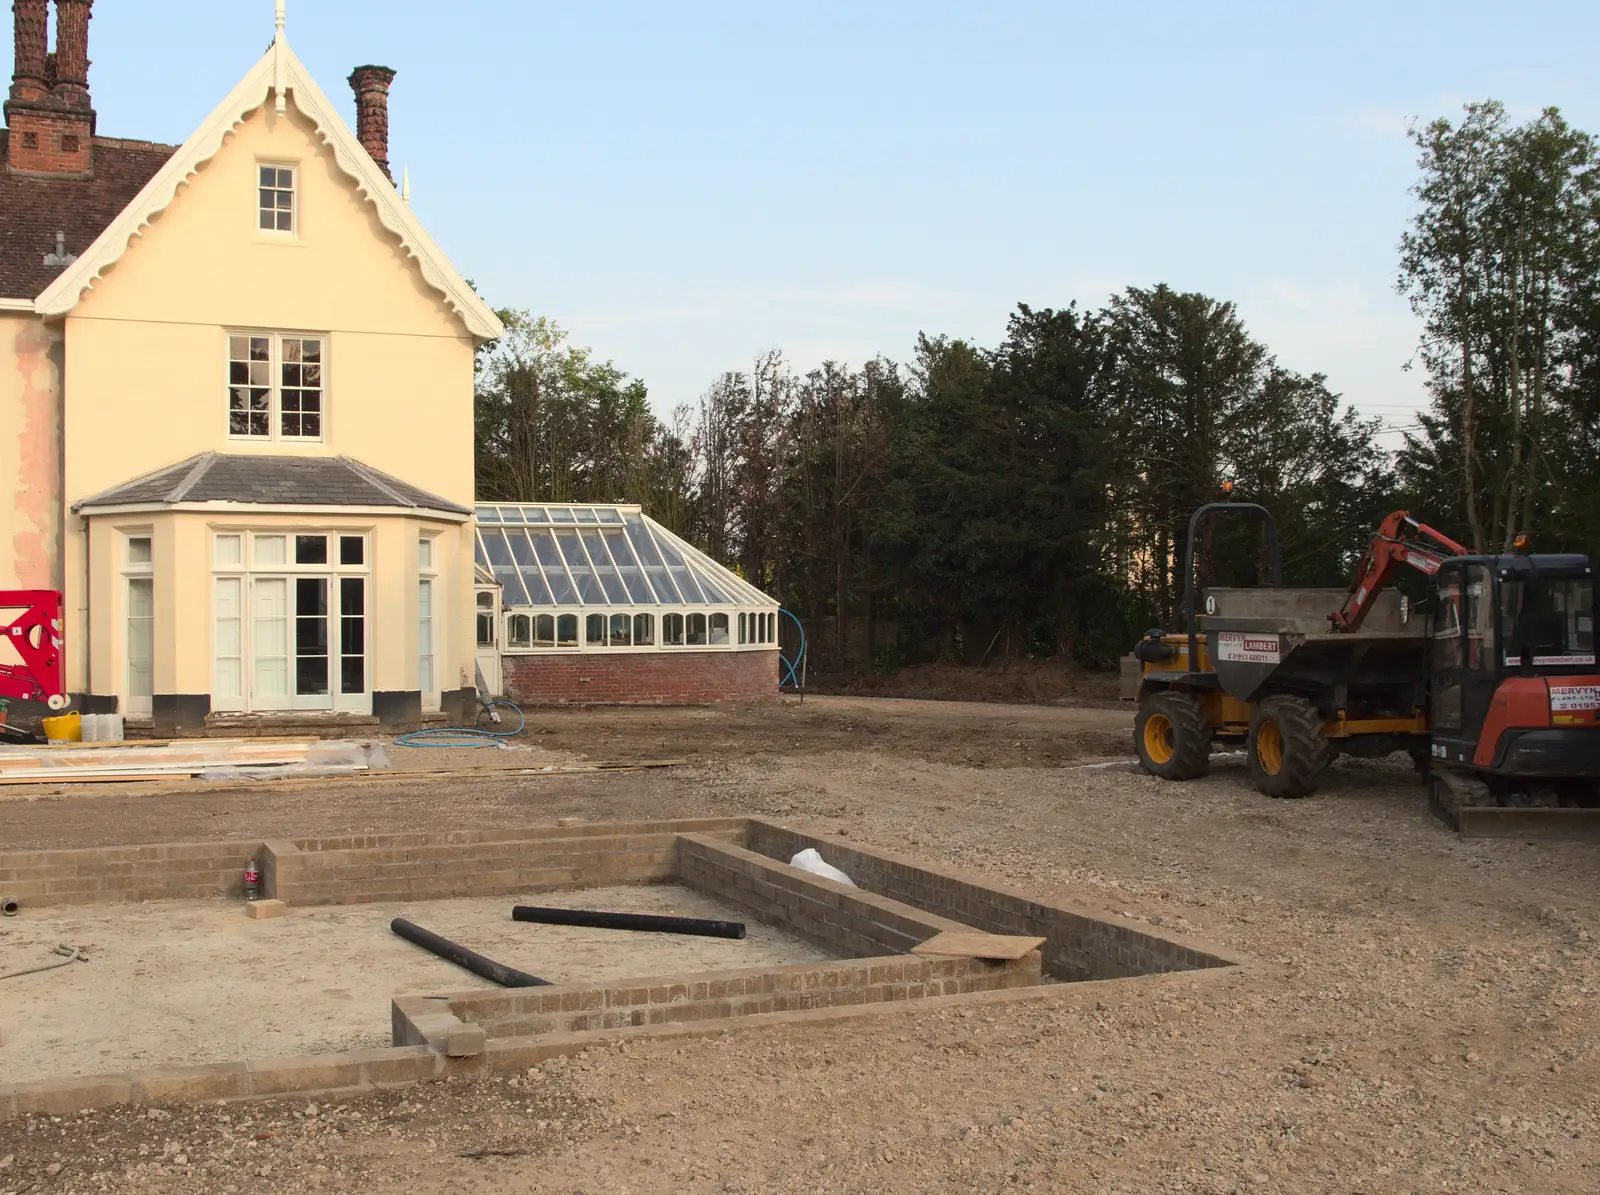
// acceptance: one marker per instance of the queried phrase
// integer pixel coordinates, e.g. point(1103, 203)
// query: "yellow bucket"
point(63, 728)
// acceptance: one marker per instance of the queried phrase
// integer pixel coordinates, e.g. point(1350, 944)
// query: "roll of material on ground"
point(506, 977)
point(649, 922)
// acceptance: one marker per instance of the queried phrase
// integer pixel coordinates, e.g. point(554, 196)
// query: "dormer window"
point(275, 386)
point(277, 199)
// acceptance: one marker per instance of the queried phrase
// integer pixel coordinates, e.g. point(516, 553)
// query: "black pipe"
point(506, 977)
point(595, 919)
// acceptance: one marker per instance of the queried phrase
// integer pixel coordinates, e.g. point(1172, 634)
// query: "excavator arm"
point(1400, 540)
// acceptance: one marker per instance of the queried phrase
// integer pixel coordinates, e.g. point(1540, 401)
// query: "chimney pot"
point(31, 25)
point(72, 53)
point(371, 85)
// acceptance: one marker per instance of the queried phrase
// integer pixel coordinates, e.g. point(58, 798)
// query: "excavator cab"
point(1512, 683)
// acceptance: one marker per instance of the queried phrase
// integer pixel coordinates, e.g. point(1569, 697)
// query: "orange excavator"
point(1491, 685)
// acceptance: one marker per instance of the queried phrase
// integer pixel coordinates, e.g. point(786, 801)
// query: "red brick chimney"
point(371, 85)
point(31, 19)
point(48, 114)
point(71, 88)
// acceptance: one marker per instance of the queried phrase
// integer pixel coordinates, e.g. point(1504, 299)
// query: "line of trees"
point(1029, 498)
point(1033, 497)
point(1502, 264)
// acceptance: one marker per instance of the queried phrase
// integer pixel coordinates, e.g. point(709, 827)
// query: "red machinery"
point(35, 637)
point(1400, 539)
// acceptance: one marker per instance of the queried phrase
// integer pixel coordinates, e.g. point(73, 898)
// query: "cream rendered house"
point(236, 385)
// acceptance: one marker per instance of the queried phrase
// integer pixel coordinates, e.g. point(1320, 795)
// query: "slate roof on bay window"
point(557, 554)
point(271, 481)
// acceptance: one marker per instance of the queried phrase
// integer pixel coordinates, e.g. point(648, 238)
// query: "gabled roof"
point(269, 481)
point(278, 77)
point(557, 554)
point(34, 209)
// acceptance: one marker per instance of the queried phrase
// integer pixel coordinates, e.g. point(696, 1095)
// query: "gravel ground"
point(1423, 1018)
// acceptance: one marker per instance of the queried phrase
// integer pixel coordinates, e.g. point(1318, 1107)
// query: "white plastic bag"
point(809, 860)
point(336, 753)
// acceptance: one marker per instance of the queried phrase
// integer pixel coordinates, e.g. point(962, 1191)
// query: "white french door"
point(308, 639)
point(312, 690)
point(286, 636)
point(141, 645)
point(351, 624)
point(269, 641)
point(228, 671)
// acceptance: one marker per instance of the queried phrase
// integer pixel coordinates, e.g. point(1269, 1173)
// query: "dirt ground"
point(1046, 682)
point(187, 982)
point(1423, 1018)
point(967, 734)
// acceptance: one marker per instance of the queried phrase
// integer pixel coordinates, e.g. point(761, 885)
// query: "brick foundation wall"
point(662, 1000)
point(104, 875)
point(641, 678)
point(356, 868)
point(843, 920)
point(1078, 946)
point(900, 902)
point(361, 868)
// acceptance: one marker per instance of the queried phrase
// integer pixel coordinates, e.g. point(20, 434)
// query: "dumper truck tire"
point(1286, 748)
point(1171, 737)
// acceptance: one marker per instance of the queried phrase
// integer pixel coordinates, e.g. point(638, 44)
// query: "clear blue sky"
point(685, 185)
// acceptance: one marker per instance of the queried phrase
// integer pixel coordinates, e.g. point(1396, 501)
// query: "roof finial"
point(405, 184)
point(278, 46)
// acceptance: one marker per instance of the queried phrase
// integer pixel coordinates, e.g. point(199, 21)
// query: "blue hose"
point(465, 736)
point(789, 670)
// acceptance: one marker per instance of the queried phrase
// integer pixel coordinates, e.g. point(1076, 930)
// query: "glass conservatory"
point(608, 578)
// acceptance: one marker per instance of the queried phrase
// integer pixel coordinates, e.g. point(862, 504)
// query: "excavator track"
point(1465, 803)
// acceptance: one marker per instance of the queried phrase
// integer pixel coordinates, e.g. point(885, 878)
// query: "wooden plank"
point(75, 778)
point(159, 758)
point(189, 742)
point(478, 773)
point(554, 769)
point(962, 943)
point(59, 757)
point(197, 772)
point(43, 775)
point(154, 768)
point(559, 768)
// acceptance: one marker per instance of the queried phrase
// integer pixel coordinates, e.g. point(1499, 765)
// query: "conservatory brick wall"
point(641, 678)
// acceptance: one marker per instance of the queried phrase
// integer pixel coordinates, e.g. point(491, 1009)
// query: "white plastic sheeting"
point(809, 860)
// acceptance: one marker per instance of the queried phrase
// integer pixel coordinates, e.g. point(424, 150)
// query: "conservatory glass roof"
point(545, 554)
